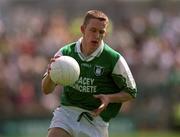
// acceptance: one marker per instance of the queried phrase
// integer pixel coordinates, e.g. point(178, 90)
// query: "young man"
point(105, 82)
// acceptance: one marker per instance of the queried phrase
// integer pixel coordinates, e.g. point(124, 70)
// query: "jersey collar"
point(96, 53)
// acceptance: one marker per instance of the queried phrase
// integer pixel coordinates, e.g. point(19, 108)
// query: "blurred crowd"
point(150, 42)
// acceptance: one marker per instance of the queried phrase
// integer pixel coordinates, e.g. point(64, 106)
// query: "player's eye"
point(101, 31)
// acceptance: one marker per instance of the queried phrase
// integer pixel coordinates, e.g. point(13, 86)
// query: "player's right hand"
point(104, 103)
point(51, 61)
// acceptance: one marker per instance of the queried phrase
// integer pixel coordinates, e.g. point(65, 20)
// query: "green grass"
point(121, 127)
point(147, 134)
point(131, 134)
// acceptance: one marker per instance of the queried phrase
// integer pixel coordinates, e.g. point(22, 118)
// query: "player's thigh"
point(58, 132)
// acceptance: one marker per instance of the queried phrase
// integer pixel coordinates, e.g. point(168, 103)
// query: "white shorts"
point(66, 117)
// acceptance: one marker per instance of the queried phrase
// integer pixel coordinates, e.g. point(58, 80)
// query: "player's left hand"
point(104, 103)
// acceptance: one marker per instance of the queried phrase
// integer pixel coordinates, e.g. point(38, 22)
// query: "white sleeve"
point(122, 68)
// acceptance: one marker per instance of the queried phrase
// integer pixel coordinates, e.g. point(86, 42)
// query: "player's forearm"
point(110, 98)
point(119, 97)
point(47, 85)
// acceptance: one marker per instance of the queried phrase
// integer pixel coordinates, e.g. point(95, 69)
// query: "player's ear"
point(82, 29)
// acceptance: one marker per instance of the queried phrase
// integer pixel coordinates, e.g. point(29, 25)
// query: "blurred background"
point(145, 32)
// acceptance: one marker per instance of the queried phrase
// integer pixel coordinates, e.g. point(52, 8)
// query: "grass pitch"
point(147, 134)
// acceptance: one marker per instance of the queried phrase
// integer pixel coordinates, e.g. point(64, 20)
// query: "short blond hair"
point(95, 14)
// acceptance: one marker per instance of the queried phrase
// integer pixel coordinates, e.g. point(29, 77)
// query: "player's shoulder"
point(109, 51)
point(70, 47)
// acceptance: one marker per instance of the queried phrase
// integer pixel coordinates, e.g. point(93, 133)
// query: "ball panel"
point(65, 71)
point(65, 80)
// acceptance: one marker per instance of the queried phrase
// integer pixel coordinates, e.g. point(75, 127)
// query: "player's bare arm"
point(111, 98)
point(47, 84)
point(114, 98)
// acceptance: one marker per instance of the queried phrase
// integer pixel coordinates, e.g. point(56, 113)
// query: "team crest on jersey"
point(98, 70)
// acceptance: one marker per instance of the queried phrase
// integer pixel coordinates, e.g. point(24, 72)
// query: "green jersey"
point(103, 72)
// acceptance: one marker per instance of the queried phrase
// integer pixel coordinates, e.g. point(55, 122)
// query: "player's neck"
point(85, 50)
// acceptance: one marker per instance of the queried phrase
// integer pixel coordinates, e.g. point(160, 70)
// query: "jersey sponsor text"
point(85, 84)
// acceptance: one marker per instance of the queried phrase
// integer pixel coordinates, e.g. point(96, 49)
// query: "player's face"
point(93, 33)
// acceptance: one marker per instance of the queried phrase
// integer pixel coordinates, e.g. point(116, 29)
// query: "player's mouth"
point(94, 41)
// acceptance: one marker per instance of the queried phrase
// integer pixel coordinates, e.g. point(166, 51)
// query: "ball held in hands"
point(64, 70)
